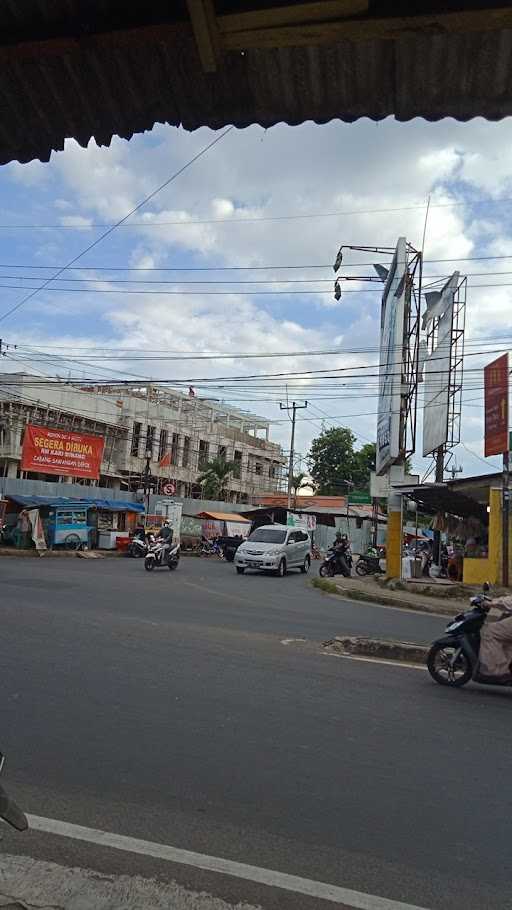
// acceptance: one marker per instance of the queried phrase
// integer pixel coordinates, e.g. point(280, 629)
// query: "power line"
point(118, 224)
point(239, 293)
point(236, 268)
point(254, 219)
point(240, 281)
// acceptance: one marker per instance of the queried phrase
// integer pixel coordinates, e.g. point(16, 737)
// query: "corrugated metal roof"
point(223, 516)
point(78, 70)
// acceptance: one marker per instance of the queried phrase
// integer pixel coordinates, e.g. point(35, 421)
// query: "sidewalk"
point(28, 883)
point(448, 602)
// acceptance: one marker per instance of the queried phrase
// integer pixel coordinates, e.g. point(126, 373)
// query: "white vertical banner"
point(389, 418)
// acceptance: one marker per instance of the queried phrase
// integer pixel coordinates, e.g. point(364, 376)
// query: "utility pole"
point(436, 555)
point(295, 407)
point(505, 516)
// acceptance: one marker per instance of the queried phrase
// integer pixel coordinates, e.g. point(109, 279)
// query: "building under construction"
point(153, 436)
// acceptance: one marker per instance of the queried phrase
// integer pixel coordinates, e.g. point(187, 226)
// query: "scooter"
point(160, 553)
point(453, 659)
point(335, 564)
point(9, 811)
point(137, 547)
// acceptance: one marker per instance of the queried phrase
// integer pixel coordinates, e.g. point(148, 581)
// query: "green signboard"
point(359, 497)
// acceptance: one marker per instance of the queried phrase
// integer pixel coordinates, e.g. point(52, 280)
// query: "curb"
point(405, 651)
point(385, 600)
point(379, 599)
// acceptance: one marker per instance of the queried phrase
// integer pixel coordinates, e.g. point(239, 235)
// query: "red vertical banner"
point(496, 406)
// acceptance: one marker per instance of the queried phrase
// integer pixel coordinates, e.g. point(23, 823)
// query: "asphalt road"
point(166, 707)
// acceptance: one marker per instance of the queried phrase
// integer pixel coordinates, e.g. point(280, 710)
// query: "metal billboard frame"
point(455, 370)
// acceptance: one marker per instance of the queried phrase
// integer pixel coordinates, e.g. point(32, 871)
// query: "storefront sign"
point(496, 406)
point(61, 452)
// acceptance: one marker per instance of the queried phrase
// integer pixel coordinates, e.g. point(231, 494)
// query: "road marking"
point(376, 660)
point(334, 893)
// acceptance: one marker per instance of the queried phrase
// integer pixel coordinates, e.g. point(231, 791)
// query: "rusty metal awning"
point(105, 68)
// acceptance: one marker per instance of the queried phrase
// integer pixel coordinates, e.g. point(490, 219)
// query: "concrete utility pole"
point(295, 407)
point(436, 555)
point(505, 517)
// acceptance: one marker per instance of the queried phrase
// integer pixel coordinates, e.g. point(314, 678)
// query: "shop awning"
point(55, 502)
point(441, 497)
point(222, 516)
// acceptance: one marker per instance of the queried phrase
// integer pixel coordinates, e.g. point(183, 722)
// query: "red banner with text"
point(61, 452)
point(496, 406)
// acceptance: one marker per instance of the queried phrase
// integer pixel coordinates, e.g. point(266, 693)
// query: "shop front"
point(467, 513)
point(68, 523)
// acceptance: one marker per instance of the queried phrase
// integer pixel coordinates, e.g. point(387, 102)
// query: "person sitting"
point(496, 642)
point(166, 533)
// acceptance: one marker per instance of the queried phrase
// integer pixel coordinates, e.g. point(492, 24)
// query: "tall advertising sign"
point(390, 418)
point(61, 452)
point(440, 306)
point(496, 406)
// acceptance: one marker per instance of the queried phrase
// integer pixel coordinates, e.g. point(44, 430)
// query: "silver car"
point(274, 548)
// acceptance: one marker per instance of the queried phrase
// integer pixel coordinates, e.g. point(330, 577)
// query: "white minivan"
point(274, 548)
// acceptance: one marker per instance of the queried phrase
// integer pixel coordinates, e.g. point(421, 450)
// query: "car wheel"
point(281, 571)
point(240, 570)
point(305, 566)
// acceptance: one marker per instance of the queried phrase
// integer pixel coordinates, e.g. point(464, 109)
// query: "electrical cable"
point(118, 224)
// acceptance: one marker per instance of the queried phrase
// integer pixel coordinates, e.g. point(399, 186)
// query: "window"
point(162, 446)
point(223, 453)
point(203, 453)
point(134, 450)
point(267, 535)
point(175, 447)
point(258, 468)
point(272, 471)
point(186, 451)
point(150, 440)
point(237, 469)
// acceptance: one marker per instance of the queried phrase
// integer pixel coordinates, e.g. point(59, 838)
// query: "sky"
point(257, 201)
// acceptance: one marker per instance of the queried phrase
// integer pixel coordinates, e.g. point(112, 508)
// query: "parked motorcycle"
point(369, 564)
point(9, 811)
point(336, 564)
point(137, 547)
point(212, 548)
point(453, 659)
point(161, 554)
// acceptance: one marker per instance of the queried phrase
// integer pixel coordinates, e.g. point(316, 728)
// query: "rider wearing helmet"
point(165, 532)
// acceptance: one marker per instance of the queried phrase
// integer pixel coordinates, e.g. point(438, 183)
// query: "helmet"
point(166, 523)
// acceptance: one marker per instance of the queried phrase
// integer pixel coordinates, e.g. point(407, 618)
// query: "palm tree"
point(214, 476)
point(299, 482)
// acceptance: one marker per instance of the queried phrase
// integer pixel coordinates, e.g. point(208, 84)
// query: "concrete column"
point(394, 537)
point(495, 537)
point(12, 469)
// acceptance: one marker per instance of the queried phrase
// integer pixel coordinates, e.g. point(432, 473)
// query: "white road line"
point(337, 895)
point(376, 660)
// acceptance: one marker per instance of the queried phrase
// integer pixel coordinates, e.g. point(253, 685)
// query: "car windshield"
point(268, 535)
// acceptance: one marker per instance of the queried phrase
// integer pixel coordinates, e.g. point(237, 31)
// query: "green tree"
point(364, 464)
point(332, 461)
point(214, 477)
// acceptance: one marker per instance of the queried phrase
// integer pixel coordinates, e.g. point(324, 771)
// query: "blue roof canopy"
point(55, 502)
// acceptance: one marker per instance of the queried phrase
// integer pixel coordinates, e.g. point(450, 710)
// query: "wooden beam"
point(320, 10)
point(314, 33)
point(206, 33)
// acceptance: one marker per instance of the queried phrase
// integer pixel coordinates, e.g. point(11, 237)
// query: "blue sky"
point(357, 169)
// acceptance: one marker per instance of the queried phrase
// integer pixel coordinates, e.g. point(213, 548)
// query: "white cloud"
point(359, 169)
